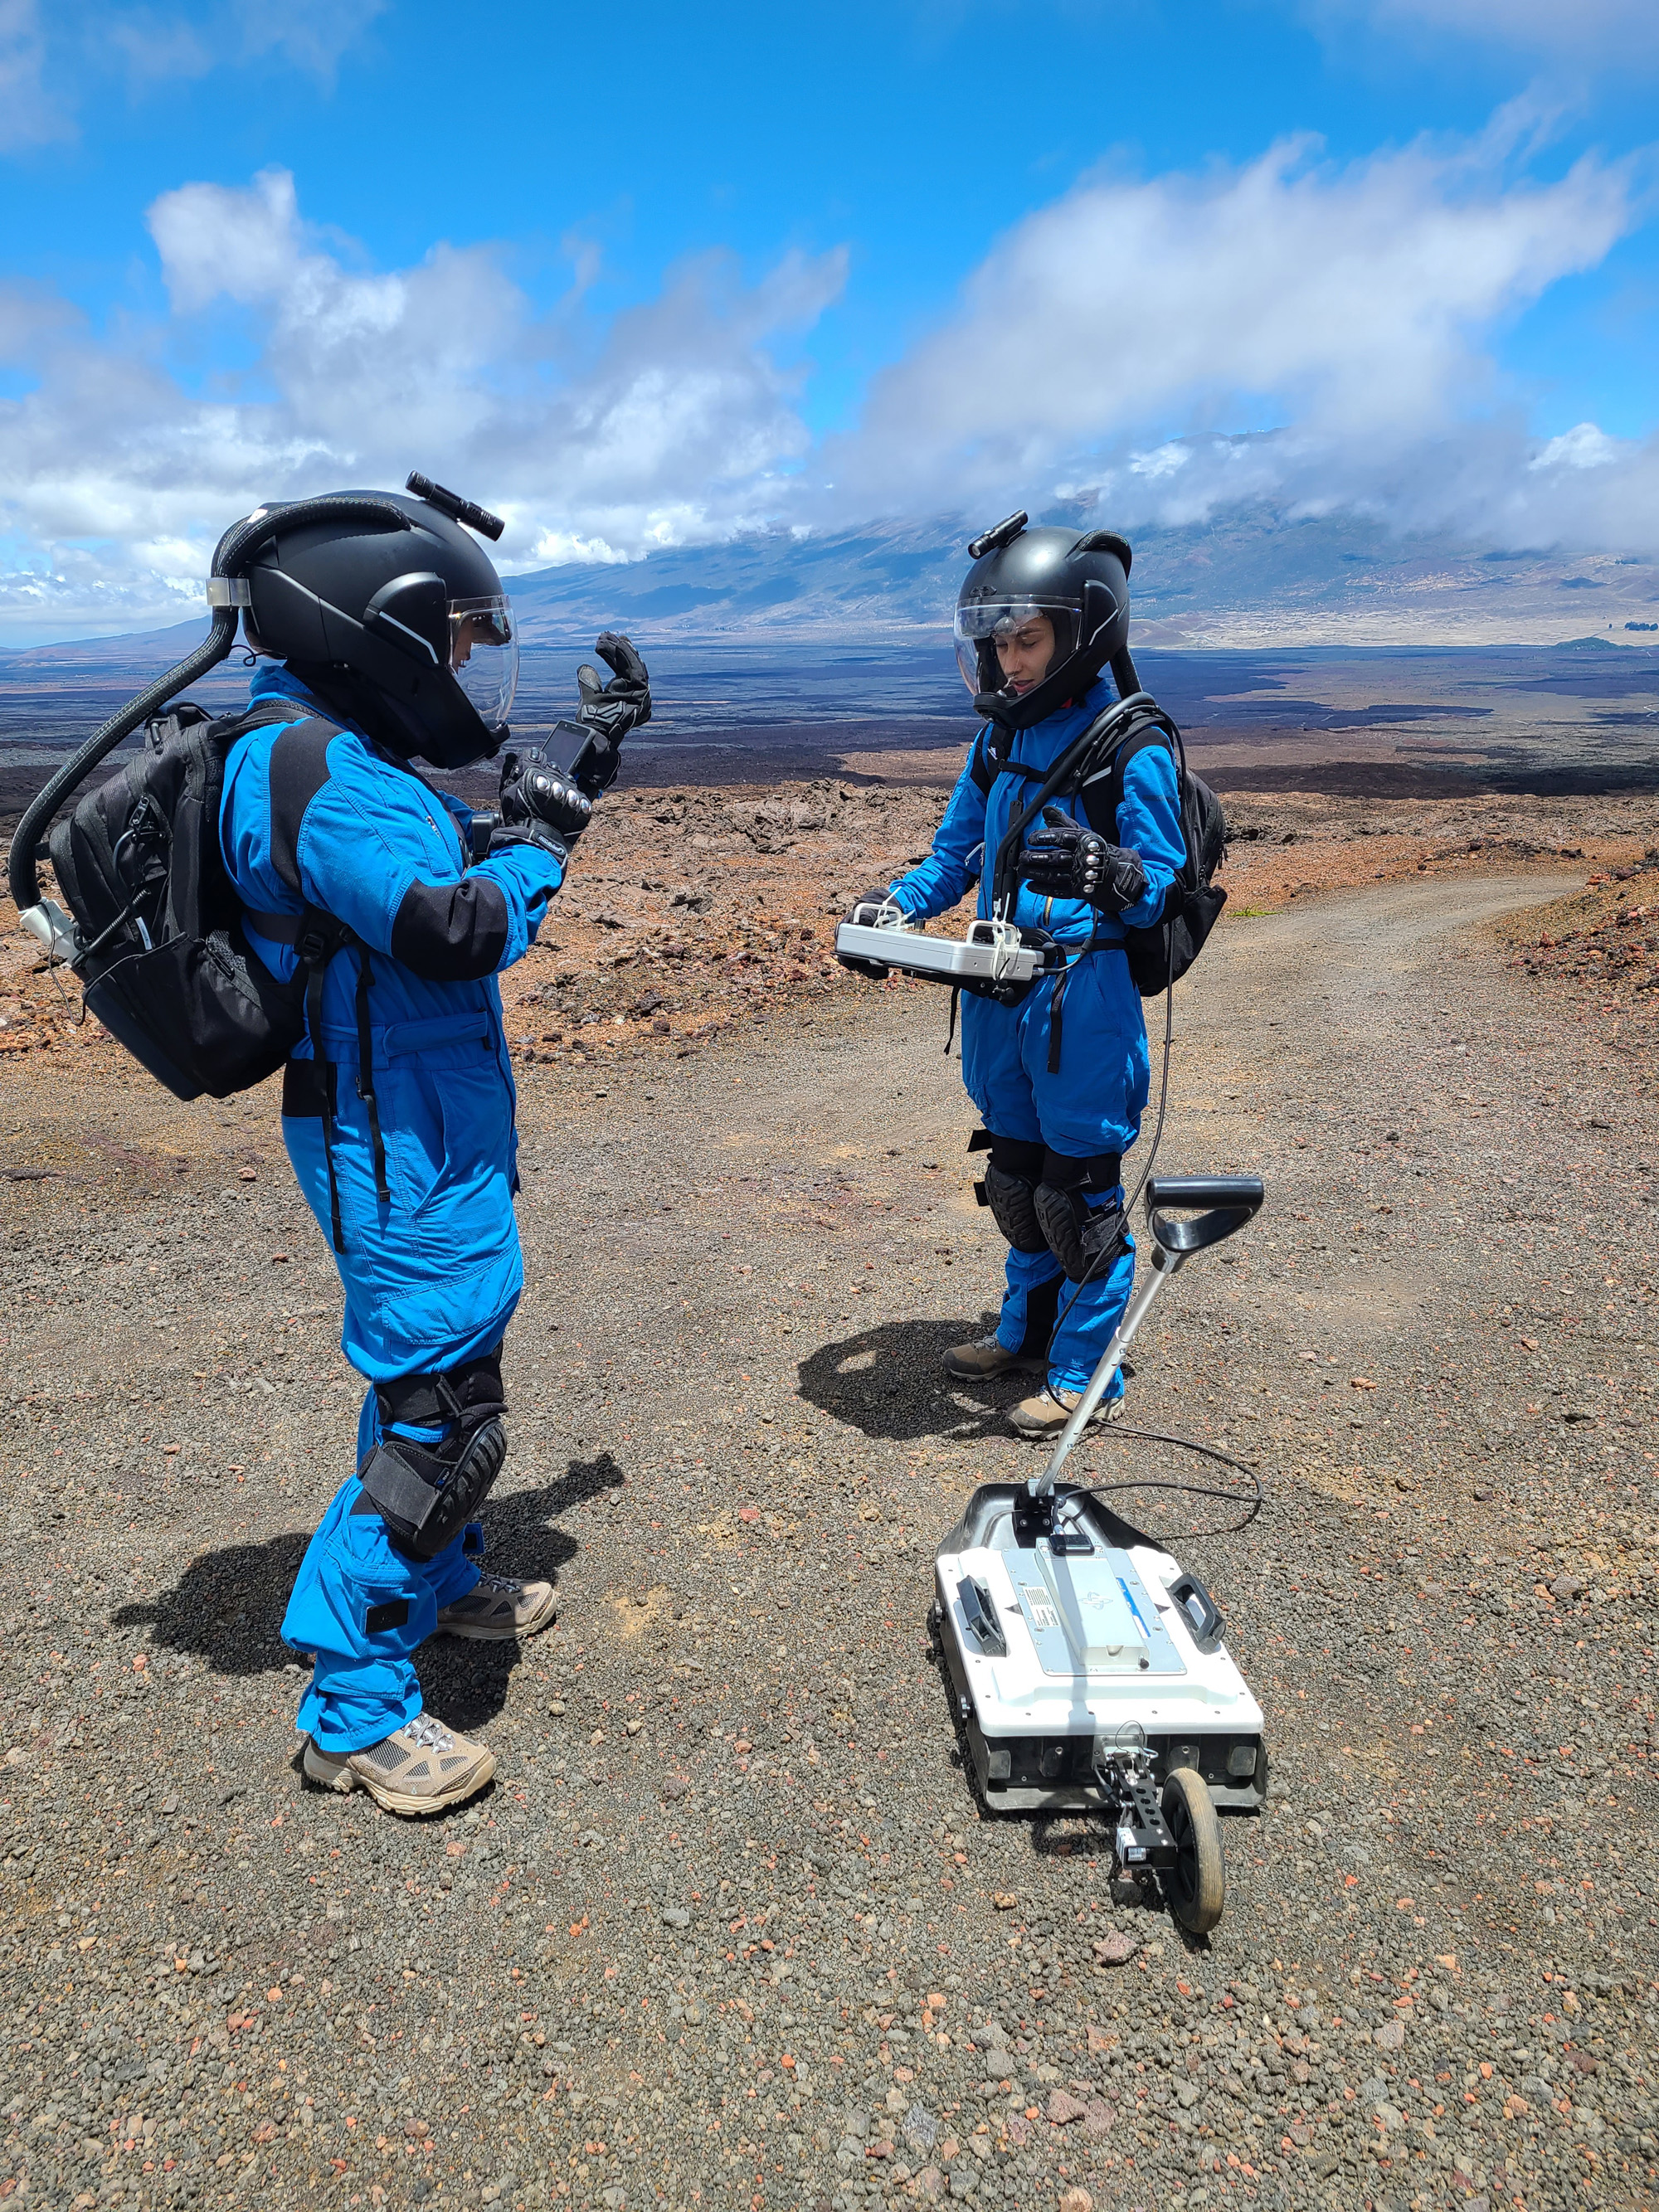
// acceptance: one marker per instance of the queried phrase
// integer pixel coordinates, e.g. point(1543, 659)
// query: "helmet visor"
point(483, 653)
point(1011, 622)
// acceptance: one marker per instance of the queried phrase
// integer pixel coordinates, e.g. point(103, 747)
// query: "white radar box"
point(994, 954)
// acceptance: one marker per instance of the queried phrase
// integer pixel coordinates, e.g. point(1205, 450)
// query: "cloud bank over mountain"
point(1292, 333)
point(1351, 307)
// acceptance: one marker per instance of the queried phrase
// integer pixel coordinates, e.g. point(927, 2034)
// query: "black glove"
point(534, 792)
point(882, 896)
point(611, 709)
point(1062, 859)
point(489, 833)
point(538, 834)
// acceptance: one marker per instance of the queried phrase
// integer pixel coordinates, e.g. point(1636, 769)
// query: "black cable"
point(22, 865)
point(1253, 1501)
point(1109, 1254)
point(1186, 1444)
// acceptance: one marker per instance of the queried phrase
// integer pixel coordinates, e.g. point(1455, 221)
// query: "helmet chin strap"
point(355, 699)
point(1003, 703)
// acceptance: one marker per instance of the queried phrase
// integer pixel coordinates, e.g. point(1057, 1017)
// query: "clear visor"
point(484, 653)
point(1007, 621)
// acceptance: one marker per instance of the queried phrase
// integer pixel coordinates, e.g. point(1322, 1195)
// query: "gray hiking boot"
point(984, 1358)
point(498, 1609)
point(420, 1768)
point(1047, 1414)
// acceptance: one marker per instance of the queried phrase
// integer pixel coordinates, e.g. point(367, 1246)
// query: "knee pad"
point(1083, 1238)
point(1009, 1188)
point(426, 1493)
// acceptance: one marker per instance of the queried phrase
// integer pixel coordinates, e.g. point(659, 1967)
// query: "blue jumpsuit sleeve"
point(528, 878)
point(1149, 822)
point(367, 849)
point(944, 877)
point(531, 867)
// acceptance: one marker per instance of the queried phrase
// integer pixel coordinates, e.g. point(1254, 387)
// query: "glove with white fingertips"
point(1064, 860)
point(534, 791)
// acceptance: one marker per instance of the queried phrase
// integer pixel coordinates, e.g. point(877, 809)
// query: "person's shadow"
point(889, 1380)
point(227, 1607)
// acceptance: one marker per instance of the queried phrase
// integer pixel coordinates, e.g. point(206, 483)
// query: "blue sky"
point(642, 276)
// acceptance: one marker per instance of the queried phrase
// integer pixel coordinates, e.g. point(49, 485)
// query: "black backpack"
point(1161, 956)
point(1158, 956)
point(165, 965)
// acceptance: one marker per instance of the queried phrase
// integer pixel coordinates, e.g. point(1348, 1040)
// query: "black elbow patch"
point(452, 932)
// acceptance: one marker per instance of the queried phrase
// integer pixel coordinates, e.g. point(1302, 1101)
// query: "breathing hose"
point(231, 559)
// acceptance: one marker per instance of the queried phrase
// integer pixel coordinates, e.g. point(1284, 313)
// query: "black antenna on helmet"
point(457, 508)
point(991, 541)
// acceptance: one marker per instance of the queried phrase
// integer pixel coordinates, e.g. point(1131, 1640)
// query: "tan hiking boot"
point(499, 1608)
point(984, 1358)
point(1047, 1414)
point(420, 1768)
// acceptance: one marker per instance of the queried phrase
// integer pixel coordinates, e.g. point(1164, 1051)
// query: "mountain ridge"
point(1249, 577)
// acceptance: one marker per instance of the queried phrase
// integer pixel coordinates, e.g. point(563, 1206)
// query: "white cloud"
point(1116, 340)
point(29, 115)
point(313, 35)
point(1486, 482)
point(673, 424)
point(156, 49)
point(1357, 302)
point(1583, 446)
point(1587, 34)
point(47, 56)
point(215, 240)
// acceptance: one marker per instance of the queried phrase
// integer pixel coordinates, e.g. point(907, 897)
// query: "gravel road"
point(729, 1930)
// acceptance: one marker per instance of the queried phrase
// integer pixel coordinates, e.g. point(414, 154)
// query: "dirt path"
point(728, 1931)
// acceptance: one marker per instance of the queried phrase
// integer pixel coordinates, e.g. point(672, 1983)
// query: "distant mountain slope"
point(1248, 579)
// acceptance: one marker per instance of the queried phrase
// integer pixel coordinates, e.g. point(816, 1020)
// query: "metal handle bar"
point(1232, 1200)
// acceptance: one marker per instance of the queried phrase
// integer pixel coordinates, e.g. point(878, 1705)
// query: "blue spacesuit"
point(1065, 1072)
point(407, 1164)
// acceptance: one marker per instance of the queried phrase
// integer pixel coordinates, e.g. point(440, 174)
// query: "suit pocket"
point(449, 1130)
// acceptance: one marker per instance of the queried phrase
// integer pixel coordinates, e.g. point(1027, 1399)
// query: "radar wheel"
point(1195, 1884)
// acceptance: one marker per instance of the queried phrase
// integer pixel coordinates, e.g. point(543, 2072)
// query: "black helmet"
point(401, 626)
point(1082, 584)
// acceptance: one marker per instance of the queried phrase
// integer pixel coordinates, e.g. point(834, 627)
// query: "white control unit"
point(993, 953)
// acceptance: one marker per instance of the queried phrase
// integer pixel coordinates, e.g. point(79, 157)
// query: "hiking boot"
point(1047, 1414)
point(984, 1358)
point(499, 1608)
point(422, 1767)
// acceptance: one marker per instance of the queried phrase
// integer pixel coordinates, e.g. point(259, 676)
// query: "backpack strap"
point(985, 764)
point(315, 936)
point(1104, 793)
point(366, 1072)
